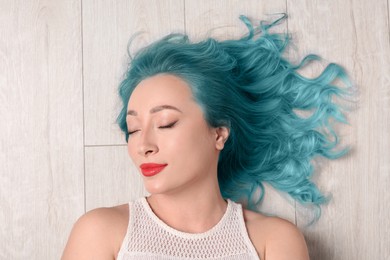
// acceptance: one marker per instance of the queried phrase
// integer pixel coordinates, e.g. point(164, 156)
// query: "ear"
point(221, 135)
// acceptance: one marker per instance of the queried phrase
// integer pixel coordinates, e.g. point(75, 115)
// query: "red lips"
point(151, 169)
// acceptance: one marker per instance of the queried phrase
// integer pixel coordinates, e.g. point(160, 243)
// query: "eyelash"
point(168, 125)
point(160, 127)
point(132, 132)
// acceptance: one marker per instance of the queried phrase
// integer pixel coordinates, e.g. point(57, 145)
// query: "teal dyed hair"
point(247, 86)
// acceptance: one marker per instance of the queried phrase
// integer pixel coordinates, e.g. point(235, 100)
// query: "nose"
point(147, 145)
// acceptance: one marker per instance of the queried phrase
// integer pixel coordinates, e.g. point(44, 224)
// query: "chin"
point(155, 187)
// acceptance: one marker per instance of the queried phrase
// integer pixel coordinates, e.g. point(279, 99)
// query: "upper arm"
point(92, 237)
point(277, 239)
point(285, 241)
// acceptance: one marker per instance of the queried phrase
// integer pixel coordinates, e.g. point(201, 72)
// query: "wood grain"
point(220, 19)
point(111, 177)
point(356, 35)
point(107, 29)
point(41, 133)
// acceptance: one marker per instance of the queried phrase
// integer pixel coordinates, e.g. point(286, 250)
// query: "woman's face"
point(170, 142)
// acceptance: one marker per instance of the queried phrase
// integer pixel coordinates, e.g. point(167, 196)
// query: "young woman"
point(207, 123)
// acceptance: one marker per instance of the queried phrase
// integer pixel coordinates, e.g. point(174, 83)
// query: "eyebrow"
point(155, 110)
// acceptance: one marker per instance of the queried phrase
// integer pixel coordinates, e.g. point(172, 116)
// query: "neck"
point(190, 212)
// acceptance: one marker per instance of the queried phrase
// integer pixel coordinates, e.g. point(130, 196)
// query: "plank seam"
point(82, 88)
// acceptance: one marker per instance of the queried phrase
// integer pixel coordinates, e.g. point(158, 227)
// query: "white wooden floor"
point(61, 152)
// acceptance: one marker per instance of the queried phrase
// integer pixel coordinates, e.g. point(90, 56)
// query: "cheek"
point(193, 152)
point(192, 142)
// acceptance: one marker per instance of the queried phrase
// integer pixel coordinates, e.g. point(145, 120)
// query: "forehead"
point(160, 90)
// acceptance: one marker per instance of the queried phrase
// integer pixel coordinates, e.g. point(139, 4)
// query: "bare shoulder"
point(275, 238)
point(98, 234)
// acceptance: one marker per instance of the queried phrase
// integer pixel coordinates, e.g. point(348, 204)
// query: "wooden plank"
point(112, 23)
point(219, 19)
point(41, 133)
point(107, 28)
point(355, 34)
point(111, 177)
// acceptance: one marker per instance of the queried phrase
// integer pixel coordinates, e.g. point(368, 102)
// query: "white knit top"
point(149, 238)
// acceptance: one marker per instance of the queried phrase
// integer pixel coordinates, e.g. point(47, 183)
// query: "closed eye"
point(160, 127)
point(132, 132)
point(168, 126)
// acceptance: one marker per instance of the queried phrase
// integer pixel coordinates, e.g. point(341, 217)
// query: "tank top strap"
point(123, 249)
point(239, 211)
